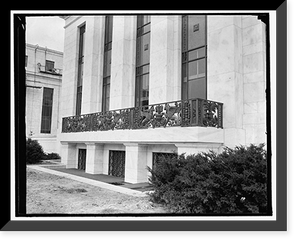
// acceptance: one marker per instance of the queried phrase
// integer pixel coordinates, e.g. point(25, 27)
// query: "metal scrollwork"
point(192, 112)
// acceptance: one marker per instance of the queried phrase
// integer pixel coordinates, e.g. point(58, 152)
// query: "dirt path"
point(47, 193)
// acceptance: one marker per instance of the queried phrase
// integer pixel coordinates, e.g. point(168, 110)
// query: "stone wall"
point(36, 81)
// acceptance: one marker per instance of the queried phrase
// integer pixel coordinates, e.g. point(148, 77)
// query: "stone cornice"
point(28, 45)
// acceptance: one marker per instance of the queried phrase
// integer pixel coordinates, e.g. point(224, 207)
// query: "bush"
point(48, 156)
point(34, 151)
point(232, 182)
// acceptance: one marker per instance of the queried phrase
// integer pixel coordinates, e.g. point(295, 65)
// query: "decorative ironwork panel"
point(192, 112)
point(117, 163)
point(211, 113)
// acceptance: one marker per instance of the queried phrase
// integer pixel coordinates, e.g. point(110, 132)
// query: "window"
point(194, 56)
point(142, 61)
point(47, 110)
point(80, 69)
point(49, 66)
point(107, 62)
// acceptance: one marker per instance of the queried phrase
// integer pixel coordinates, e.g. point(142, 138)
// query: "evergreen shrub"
point(34, 151)
point(48, 156)
point(232, 182)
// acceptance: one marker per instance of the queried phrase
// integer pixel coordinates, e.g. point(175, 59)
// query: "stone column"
point(93, 65)
point(122, 83)
point(94, 158)
point(165, 59)
point(136, 163)
point(195, 148)
point(68, 155)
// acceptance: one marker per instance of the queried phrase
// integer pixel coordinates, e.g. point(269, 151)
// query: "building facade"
point(137, 86)
point(43, 85)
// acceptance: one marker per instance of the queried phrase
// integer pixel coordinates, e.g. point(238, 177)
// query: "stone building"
point(43, 84)
point(138, 86)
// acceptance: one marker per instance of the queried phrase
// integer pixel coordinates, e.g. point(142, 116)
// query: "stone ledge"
point(168, 135)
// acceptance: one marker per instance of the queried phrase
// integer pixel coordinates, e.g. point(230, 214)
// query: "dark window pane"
point(143, 20)
point(184, 73)
point(143, 69)
point(47, 110)
point(80, 75)
point(49, 65)
point(140, 21)
point(142, 60)
point(196, 36)
point(145, 87)
point(144, 53)
point(197, 69)
point(80, 69)
point(106, 94)
point(108, 91)
point(198, 53)
point(81, 40)
point(108, 28)
point(145, 29)
point(184, 90)
point(107, 63)
point(142, 93)
point(197, 88)
point(194, 61)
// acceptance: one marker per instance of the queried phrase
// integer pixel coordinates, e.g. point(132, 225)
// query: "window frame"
point(185, 61)
point(46, 116)
point(80, 66)
point(51, 64)
point(107, 54)
point(142, 69)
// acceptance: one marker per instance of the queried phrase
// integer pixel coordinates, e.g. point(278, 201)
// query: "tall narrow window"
point(194, 56)
point(142, 60)
point(80, 69)
point(107, 62)
point(47, 110)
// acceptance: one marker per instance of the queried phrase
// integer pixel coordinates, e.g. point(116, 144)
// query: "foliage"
point(232, 182)
point(48, 156)
point(35, 152)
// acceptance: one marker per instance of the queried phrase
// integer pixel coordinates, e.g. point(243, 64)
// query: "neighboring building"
point(43, 84)
point(137, 86)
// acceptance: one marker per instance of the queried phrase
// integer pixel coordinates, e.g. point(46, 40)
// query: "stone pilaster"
point(68, 155)
point(94, 158)
point(165, 57)
point(135, 163)
point(122, 83)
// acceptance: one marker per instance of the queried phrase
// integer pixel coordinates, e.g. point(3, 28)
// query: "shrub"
point(48, 156)
point(232, 182)
point(34, 151)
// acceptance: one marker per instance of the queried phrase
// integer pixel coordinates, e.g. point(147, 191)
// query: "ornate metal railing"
point(192, 112)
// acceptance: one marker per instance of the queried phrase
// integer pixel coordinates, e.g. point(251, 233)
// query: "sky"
point(46, 31)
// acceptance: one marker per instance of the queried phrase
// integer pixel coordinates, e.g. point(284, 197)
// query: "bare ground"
point(48, 194)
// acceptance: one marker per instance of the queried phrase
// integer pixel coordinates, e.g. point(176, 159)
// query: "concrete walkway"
point(90, 181)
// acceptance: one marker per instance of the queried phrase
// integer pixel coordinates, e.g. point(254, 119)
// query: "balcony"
point(47, 70)
point(183, 113)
